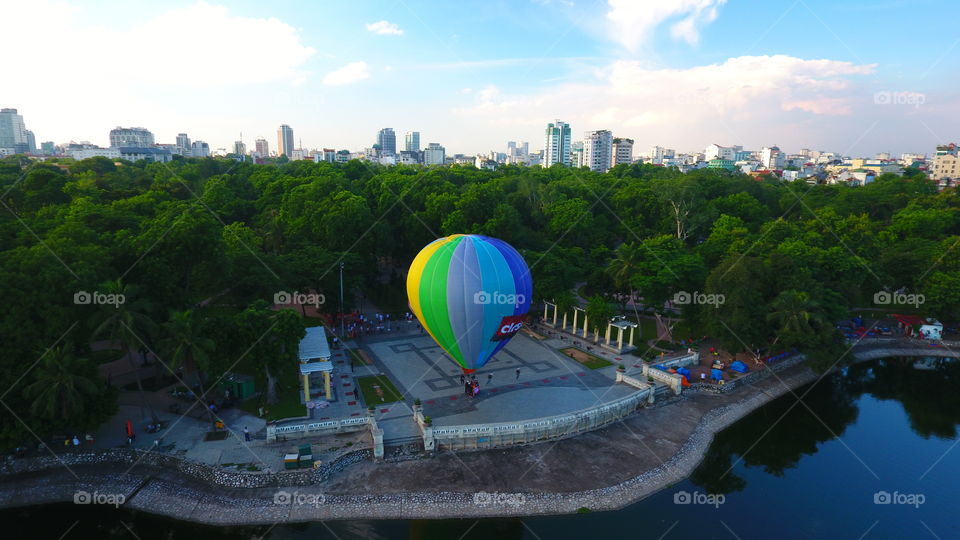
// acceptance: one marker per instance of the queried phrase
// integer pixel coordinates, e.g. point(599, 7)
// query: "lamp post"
point(342, 334)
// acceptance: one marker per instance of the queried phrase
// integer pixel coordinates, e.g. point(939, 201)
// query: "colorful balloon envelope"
point(471, 293)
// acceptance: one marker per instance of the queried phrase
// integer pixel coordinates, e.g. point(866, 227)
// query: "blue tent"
point(716, 374)
point(685, 372)
point(739, 367)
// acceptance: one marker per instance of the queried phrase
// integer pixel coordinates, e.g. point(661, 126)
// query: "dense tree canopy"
point(789, 258)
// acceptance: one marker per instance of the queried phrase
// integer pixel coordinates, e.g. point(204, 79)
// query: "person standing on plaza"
point(489, 378)
point(518, 374)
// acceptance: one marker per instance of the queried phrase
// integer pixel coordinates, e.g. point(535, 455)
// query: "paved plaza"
point(549, 382)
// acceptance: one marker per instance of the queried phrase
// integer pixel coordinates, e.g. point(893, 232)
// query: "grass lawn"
point(289, 405)
point(370, 397)
point(585, 358)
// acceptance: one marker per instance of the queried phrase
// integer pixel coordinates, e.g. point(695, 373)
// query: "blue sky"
point(856, 76)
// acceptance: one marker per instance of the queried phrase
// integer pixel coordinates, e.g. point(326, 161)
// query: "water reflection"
point(787, 430)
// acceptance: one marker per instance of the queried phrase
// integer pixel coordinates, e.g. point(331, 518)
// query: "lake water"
point(866, 454)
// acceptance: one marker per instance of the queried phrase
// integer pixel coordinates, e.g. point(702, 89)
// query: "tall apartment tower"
point(262, 147)
point(412, 142)
point(622, 151)
point(285, 141)
point(13, 133)
point(598, 150)
point(387, 140)
point(556, 146)
point(183, 144)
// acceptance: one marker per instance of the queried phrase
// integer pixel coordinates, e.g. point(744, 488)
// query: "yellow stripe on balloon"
point(416, 272)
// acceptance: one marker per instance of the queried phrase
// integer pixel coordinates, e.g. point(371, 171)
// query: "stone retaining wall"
point(128, 458)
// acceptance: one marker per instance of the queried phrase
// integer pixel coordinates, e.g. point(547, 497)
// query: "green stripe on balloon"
point(433, 293)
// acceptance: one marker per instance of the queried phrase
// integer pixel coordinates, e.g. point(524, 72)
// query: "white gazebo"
point(315, 358)
point(621, 323)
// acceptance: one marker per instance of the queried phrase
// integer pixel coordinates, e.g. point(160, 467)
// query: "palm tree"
point(795, 313)
point(624, 266)
point(185, 347)
point(124, 323)
point(63, 382)
point(598, 311)
point(564, 302)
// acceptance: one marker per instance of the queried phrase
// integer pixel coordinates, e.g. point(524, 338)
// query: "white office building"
point(598, 150)
point(434, 154)
point(557, 144)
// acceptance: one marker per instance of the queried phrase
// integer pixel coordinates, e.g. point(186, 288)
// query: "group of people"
point(471, 387)
point(377, 324)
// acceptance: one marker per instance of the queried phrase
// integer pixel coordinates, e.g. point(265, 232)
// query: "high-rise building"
point(13, 133)
point(183, 145)
point(135, 137)
point(576, 155)
point(946, 163)
point(263, 148)
point(412, 143)
point(434, 154)
point(200, 149)
point(285, 141)
point(556, 148)
point(772, 158)
point(31, 142)
point(598, 150)
point(387, 141)
point(622, 151)
point(239, 148)
point(48, 148)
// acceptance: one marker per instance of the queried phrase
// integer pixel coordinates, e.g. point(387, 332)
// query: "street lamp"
point(342, 334)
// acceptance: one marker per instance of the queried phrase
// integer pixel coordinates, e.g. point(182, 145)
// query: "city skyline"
point(685, 75)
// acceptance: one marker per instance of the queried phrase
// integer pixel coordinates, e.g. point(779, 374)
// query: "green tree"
point(63, 386)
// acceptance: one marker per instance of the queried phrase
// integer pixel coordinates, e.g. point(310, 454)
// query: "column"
point(620, 339)
point(554, 315)
point(607, 337)
point(584, 325)
point(326, 384)
point(306, 387)
point(631, 336)
point(564, 322)
point(575, 310)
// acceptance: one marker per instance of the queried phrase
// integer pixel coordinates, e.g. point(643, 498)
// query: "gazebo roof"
point(314, 345)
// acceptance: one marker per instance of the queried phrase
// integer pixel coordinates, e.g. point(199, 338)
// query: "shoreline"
point(177, 495)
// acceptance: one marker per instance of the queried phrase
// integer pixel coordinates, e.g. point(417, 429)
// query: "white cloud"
point(747, 95)
point(632, 22)
point(384, 28)
point(348, 74)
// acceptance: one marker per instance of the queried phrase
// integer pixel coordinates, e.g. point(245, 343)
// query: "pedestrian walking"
point(518, 374)
point(461, 378)
point(489, 378)
point(246, 434)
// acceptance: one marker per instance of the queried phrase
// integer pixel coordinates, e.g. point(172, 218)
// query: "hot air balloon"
point(471, 293)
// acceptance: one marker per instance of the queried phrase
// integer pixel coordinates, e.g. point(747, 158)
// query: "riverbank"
point(601, 470)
